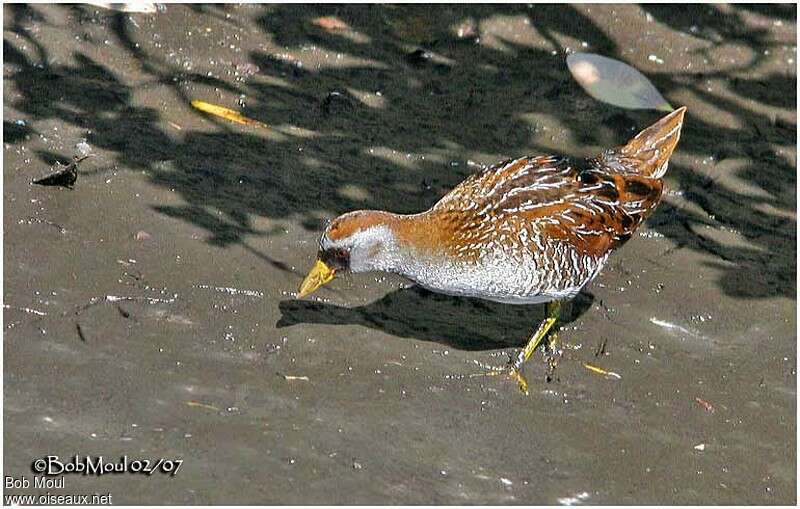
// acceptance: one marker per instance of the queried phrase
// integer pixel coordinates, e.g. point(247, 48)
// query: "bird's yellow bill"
point(320, 274)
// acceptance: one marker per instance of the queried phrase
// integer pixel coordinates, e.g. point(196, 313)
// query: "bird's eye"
point(336, 258)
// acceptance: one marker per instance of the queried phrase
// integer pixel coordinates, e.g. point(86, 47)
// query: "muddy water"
point(149, 311)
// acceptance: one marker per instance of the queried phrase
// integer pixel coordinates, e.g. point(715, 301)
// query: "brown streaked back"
point(593, 205)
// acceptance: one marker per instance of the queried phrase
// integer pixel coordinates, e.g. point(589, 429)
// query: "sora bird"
point(530, 230)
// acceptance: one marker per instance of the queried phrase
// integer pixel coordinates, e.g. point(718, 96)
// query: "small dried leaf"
point(202, 405)
point(601, 371)
point(227, 114)
point(615, 82)
point(466, 29)
point(331, 23)
point(705, 404)
point(295, 377)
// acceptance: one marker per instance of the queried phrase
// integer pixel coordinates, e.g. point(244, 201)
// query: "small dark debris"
point(601, 350)
point(80, 332)
point(62, 175)
point(336, 102)
point(418, 58)
point(123, 312)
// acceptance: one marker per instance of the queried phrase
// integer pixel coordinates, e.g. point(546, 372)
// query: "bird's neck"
point(415, 238)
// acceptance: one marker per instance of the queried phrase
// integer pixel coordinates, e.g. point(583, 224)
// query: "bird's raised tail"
point(648, 153)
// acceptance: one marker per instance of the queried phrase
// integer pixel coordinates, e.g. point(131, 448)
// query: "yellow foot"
point(511, 371)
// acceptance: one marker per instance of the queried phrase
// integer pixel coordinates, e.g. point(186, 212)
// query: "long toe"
point(510, 371)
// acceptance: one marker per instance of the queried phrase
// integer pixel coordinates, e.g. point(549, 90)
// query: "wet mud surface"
point(149, 310)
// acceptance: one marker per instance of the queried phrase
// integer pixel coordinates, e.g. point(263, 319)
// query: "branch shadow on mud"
point(321, 160)
point(456, 322)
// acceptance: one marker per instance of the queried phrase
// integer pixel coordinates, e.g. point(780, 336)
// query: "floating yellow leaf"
point(601, 371)
point(227, 114)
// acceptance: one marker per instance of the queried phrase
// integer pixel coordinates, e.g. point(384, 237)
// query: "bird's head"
point(359, 241)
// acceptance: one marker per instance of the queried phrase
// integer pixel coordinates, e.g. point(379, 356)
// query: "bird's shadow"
point(462, 323)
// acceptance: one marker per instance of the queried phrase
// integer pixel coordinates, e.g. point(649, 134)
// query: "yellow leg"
point(553, 311)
